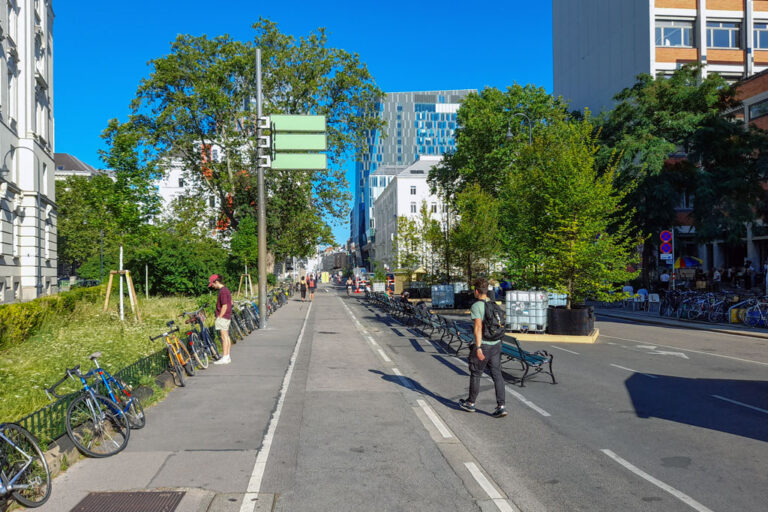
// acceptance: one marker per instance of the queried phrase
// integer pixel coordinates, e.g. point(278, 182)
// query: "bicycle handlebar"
point(153, 338)
point(70, 374)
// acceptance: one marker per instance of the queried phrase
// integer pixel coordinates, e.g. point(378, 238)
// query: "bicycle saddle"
point(95, 355)
point(170, 323)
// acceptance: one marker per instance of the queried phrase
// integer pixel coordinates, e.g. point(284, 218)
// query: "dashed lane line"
point(498, 500)
point(741, 404)
point(405, 382)
point(564, 350)
point(435, 419)
point(254, 484)
point(384, 356)
point(635, 371)
point(658, 483)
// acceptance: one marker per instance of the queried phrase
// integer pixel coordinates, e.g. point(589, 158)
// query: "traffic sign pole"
point(262, 204)
point(674, 274)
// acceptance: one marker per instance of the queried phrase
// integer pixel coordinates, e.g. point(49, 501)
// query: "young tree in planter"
point(583, 234)
point(406, 244)
point(476, 234)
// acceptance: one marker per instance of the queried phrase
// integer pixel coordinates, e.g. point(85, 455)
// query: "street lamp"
point(511, 135)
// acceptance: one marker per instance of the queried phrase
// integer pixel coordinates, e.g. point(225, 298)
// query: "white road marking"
point(652, 349)
point(527, 402)
point(635, 371)
point(502, 504)
point(565, 350)
point(254, 484)
point(658, 483)
point(688, 350)
point(372, 341)
point(435, 419)
point(741, 404)
point(384, 356)
point(405, 382)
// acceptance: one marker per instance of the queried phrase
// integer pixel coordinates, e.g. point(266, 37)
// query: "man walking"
point(312, 285)
point(223, 316)
point(483, 353)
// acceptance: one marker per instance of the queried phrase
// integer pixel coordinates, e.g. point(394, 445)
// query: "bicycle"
point(95, 424)
point(177, 353)
point(201, 334)
point(120, 393)
point(24, 472)
point(195, 347)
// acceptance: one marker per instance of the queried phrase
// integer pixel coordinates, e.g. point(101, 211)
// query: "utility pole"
point(262, 203)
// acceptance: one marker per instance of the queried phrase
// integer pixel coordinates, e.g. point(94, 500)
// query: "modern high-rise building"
point(28, 213)
point(417, 123)
point(600, 46)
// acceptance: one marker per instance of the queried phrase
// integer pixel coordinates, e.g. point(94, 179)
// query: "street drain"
point(165, 501)
point(327, 332)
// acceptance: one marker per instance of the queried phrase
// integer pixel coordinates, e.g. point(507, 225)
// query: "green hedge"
point(21, 320)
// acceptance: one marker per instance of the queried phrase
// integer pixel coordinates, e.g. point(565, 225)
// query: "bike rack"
point(734, 307)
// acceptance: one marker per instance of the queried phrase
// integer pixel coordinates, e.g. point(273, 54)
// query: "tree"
point(570, 213)
point(188, 216)
point(200, 95)
point(406, 244)
point(245, 242)
point(476, 235)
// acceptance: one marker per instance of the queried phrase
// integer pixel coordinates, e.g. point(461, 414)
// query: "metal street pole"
point(674, 274)
point(262, 205)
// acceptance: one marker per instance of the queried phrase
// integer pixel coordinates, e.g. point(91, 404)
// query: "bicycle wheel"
point(210, 347)
point(200, 355)
point(131, 406)
point(31, 479)
point(189, 366)
point(176, 368)
point(97, 426)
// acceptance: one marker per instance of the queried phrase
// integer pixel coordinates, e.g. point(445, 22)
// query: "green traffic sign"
point(299, 142)
point(285, 123)
point(299, 161)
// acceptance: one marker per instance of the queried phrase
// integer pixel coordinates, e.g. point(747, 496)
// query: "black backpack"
point(494, 322)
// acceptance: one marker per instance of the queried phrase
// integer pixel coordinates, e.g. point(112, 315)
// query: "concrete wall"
point(599, 47)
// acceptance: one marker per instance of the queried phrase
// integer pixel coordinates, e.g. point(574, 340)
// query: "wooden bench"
point(539, 361)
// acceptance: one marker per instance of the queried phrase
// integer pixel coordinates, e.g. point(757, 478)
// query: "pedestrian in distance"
point(488, 320)
point(349, 286)
point(223, 316)
point(303, 288)
point(311, 285)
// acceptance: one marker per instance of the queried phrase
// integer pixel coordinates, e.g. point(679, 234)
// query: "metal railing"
point(49, 423)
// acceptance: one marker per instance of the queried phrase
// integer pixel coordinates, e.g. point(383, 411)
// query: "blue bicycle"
point(24, 473)
point(95, 423)
point(120, 393)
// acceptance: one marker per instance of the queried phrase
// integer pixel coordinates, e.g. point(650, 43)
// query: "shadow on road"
point(416, 386)
point(703, 403)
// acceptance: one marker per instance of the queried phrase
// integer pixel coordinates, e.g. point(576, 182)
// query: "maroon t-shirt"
point(225, 298)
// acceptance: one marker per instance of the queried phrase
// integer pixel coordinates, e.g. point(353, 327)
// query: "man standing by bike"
point(223, 316)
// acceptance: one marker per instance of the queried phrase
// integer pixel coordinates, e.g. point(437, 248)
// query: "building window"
point(413, 207)
point(758, 110)
point(215, 155)
point(674, 33)
point(212, 202)
point(723, 34)
point(16, 235)
point(374, 181)
point(371, 223)
point(181, 182)
point(47, 241)
point(434, 208)
point(761, 36)
point(413, 190)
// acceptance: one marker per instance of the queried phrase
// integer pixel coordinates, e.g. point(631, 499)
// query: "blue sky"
point(101, 48)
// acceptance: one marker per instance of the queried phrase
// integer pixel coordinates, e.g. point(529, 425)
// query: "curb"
point(689, 325)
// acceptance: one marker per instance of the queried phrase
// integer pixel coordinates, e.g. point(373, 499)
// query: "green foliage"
point(271, 279)
point(406, 244)
point(573, 233)
point(476, 234)
point(244, 246)
point(188, 216)
point(178, 266)
point(20, 320)
point(195, 96)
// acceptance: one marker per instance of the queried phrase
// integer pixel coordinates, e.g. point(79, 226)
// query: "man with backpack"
point(488, 319)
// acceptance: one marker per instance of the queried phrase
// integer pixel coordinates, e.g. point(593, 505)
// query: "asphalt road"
point(336, 407)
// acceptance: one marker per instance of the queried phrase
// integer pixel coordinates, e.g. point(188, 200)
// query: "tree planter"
point(579, 321)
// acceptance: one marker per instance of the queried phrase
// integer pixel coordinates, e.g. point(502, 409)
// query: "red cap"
point(213, 278)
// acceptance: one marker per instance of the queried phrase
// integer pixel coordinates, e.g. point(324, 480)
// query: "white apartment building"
point(600, 46)
point(403, 197)
point(27, 192)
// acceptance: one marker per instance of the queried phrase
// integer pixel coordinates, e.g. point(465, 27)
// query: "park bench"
point(539, 361)
point(460, 334)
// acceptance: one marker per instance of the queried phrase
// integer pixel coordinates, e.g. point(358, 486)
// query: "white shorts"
point(222, 324)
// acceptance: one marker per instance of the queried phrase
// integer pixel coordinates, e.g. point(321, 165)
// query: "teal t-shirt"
point(478, 311)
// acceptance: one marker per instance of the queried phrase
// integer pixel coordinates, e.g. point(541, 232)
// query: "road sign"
point(665, 248)
point(299, 142)
point(303, 124)
point(666, 257)
point(299, 161)
point(666, 236)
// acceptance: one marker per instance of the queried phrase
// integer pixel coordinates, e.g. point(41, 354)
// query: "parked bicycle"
point(200, 334)
point(120, 393)
point(95, 423)
point(177, 354)
point(24, 472)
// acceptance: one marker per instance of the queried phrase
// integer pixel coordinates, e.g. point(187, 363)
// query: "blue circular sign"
point(666, 248)
point(666, 236)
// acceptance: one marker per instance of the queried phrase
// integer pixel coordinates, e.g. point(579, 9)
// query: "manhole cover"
point(130, 502)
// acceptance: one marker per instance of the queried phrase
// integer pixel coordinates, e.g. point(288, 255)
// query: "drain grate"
point(165, 501)
point(327, 332)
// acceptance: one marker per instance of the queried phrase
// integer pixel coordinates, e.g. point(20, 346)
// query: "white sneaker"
point(223, 360)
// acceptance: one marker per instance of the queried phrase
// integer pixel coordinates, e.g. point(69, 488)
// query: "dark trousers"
point(492, 359)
